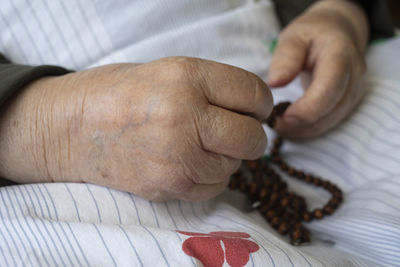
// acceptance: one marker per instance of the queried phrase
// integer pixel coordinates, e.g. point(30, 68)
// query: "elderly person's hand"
point(329, 40)
point(172, 128)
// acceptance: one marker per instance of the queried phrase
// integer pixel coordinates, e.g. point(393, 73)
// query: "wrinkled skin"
point(177, 128)
point(174, 128)
point(328, 40)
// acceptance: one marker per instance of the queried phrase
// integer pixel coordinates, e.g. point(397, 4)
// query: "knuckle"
point(177, 68)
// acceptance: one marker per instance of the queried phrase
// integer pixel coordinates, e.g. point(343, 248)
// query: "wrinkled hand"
point(328, 40)
point(172, 128)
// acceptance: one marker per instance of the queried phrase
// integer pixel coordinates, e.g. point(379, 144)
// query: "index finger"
point(235, 89)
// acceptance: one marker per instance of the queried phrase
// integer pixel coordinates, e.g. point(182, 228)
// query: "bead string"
point(285, 211)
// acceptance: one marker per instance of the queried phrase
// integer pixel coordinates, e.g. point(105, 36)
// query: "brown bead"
point(283, 228)
point(283, 187)
point(284, 202)
point(276, 186)
point(292, 196)
point(274, 197)
point(328, 210)
point(257, 175)
point(326, 185)
point(264, 207)
point(284, 211)
point(316, 181)
point(279, 211)
point(268, 170)
point(283, 166)
point(275, 221)
point(296, 234)
point(307, 216)
point(268, 182)
point(318, 214)
point(280, 108)
point(300, 175)
point(272, 119)
point(270, 214)
point(336, 201)
point(253, 188)
point(297, 216)
point(277, 159)
point(287, 216)
point(297, 204)
point(333, 203)
point(297, 225)
point(264, 192)
point(278, 142)
point(338, 195)
point(252, 164)
point(291, 171)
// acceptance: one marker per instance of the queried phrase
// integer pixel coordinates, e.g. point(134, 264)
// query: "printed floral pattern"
point(207, 248)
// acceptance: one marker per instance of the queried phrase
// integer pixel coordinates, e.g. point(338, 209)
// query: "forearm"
point(23, 136)
point(18, 117)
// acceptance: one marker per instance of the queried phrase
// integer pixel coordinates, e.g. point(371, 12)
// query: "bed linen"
point(68, 224)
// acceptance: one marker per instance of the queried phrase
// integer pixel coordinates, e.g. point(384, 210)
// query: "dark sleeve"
point(380, 24)
point(14, 77)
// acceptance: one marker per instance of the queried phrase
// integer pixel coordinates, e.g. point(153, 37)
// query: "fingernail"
point(275, 76)
point(291, 120)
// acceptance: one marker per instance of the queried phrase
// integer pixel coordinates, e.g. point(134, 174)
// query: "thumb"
point(287, 61)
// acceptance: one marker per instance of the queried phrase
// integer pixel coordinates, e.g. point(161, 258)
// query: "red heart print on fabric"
point(207, 248)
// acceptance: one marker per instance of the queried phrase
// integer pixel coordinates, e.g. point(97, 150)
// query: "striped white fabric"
point(88, 225)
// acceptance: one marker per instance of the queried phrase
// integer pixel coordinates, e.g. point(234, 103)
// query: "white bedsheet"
point(88, 225)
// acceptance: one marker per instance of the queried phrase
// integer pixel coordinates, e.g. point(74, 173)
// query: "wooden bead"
point(264, 192)
point(276, 159)
point(270, 214)
point(278, 142)
point(252, 164)
point(300, 175)
point(275, 221)
point(283, 228)
point(264, 207)
point(326, 185)
point(268, 183)
point(276, 186)
point(307, 216)
point(328, 210)
point(283, 166)
point(283, 210)
point(284, 202)
point(253, 188)
point(316, 181)
point(291, 171)
point(318, 214)
point(296, 234)
point(274, 197)
point(274, 151)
